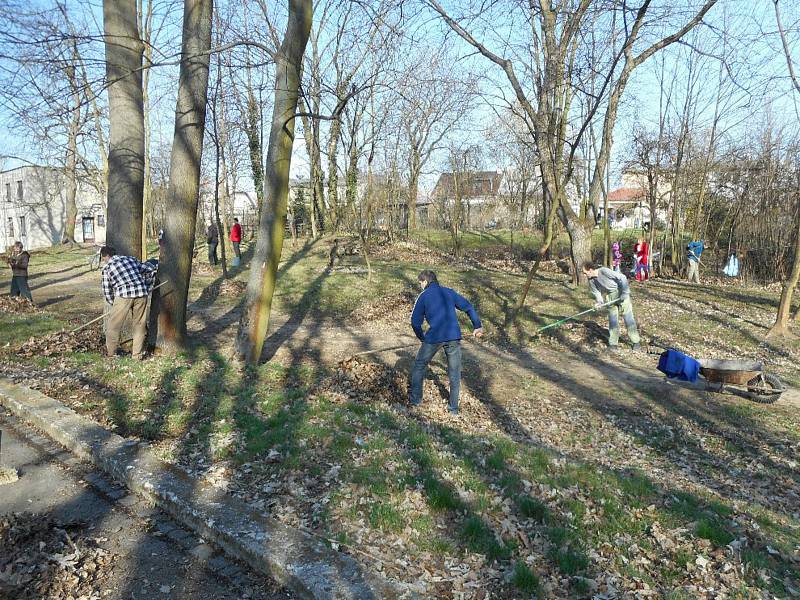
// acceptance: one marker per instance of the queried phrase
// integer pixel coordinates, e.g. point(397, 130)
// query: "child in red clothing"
point(642, 255)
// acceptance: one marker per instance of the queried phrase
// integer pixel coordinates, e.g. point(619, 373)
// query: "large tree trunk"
point(261, 285)
point(71, 162)
point(253, 130)
point(126, 126)
point(781, 326)
point(223, 207)
point(580, 243)
point(145, 27)
point(184, 179)
point(71, 191)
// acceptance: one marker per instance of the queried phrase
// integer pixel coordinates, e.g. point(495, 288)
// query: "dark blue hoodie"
point(437, 305)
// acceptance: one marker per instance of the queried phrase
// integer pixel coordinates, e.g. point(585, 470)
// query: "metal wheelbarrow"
point(744, 375)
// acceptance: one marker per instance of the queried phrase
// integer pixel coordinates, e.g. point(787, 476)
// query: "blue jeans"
point(424, 356)
point(19, 287)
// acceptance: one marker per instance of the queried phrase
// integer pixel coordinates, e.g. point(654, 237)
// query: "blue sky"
point(755, 60)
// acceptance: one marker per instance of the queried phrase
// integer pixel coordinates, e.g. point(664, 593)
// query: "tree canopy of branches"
point(550, 60)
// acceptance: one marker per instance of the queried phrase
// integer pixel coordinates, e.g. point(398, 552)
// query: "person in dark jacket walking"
point(437, 305)
point(18, 261)
point(212, 237)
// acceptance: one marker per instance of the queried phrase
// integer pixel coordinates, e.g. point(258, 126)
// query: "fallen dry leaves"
point(90, 339)
point(17, 305)
point(42, 558)
point(393, 308)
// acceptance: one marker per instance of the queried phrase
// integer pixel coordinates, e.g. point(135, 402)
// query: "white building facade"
point(33, 209)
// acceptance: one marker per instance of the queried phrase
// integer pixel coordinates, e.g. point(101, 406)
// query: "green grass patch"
point(373, 477)
point(479, 537)
point(568, 560)
point(386, 517)
point(532, 508)
point(18, 328)
point(637, 487)
point(524, 579)
point(440, 495)
point(714, 532)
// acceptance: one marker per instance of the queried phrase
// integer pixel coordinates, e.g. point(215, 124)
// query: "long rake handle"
point(583, 312)
point(96, 319)
point(403, 347)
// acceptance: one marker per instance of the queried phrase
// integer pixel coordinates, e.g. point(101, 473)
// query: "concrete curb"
point(301, 562)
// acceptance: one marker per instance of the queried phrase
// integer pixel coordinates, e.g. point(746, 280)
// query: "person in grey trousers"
point(611, 286)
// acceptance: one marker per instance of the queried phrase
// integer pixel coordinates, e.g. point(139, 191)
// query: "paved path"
point(155, 558)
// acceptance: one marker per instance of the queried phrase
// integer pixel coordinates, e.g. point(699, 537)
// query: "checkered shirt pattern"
point(126, 277)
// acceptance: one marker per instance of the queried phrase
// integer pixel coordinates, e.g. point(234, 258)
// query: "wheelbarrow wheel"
point(758, 386)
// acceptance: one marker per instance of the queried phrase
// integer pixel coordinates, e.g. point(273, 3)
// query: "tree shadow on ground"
point(646, 391)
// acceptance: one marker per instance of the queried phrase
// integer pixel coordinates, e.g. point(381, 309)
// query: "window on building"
point(23, 230)
point(101, 220)
point(10, 228)
point(19, 191)
point(8, 192)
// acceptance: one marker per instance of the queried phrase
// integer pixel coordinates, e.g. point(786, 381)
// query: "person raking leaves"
point(607, 286)
point(126, 284)
point(437, 305)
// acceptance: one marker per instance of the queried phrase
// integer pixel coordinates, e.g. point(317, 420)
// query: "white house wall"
point(39, 215)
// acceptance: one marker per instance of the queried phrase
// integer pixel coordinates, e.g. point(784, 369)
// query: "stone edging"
point(301, 562)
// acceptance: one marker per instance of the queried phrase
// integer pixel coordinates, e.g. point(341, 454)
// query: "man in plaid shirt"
point(126, 285)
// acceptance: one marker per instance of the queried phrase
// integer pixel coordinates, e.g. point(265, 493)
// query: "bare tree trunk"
point(413, 188)
point(606, 224)
point(781, 325)
point(217, 220)
point(223, 224)
point(580, 247)
point(145, 22)
point(543, 249)
point(333, 175)
point(71, 191)
point(315, 172)
point(126, 131)
point(219, 150)
point(253, 131)
point(781, 320)
point(70, 170)
point(261, 285)
point(184, 180)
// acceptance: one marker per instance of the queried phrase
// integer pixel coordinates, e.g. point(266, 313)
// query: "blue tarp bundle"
point(677, 365)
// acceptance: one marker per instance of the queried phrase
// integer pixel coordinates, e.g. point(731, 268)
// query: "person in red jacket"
point(236, 237)
point(642, 255)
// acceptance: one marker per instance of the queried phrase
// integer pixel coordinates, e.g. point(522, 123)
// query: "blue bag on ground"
point(677, 365)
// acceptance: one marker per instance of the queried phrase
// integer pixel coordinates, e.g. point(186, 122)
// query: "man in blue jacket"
point(694, 250)
point(437, 305)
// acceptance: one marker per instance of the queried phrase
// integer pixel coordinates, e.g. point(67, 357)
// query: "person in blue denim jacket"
point(437, 305)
